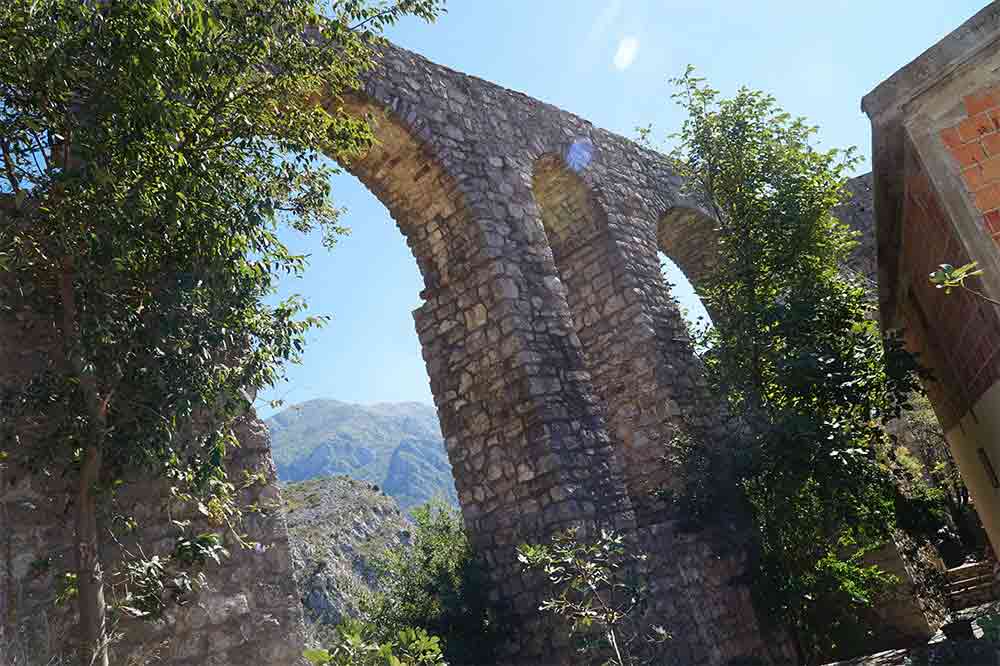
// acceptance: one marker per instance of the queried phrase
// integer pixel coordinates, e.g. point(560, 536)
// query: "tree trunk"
point(90, 576)
point(7, 590)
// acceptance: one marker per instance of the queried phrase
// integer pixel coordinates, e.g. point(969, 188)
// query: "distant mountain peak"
point(396, 445)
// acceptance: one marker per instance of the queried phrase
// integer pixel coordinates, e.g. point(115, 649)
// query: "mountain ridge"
point(395, 445)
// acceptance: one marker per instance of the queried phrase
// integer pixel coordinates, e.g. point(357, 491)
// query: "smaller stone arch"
point(574, 224)
point(690, 237)
point(597, 271)
point(569, 213)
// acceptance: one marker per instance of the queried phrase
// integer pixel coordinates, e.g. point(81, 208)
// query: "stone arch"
point(405, 173)
point(690, 237)
point(422, 198)
point(604, 241)
point(529, 451)
point(569, 213)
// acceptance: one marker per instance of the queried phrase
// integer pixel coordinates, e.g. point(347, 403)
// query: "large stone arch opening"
point(424, 201)
point(403, 173)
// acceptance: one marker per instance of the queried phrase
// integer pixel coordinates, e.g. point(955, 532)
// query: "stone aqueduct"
point(558, 360)
point(557, 357)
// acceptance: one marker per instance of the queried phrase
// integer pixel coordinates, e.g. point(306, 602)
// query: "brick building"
point(936, 161)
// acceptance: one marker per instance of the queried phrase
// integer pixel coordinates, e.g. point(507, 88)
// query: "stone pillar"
point(650, 385)
point(528, 444)
point(700, 573)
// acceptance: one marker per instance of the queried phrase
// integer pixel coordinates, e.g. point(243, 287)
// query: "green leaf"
point(317, 657)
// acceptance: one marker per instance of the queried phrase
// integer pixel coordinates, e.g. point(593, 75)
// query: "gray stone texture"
point(858, 213)
point(248, 613)
point(558, 360)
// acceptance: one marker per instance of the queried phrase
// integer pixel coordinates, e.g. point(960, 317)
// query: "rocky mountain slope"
point(336, 526)
point(397, 446)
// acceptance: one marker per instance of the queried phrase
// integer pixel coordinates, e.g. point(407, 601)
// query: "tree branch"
point(15, 182)
point(981, 295)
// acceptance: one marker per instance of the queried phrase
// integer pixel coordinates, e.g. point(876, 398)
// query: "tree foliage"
point(798, 354)
point(150, 151)
point(439, 585)
point(597, 588)
point(354, 646)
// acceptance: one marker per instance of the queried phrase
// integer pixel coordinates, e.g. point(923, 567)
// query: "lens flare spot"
point(579, 154)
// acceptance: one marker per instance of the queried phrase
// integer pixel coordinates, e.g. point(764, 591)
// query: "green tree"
point(150, 150)
point(597, 587)
point(439, 585)
point(798, 354)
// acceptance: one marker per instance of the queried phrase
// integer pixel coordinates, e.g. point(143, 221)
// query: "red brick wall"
point(975, 145)
point(964, 329)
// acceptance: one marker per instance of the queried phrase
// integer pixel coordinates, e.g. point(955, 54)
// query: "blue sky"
point(607, 61)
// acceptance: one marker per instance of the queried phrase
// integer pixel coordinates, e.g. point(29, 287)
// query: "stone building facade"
point(936, 156)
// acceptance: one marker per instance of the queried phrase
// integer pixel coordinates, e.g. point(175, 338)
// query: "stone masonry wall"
point(558, 361)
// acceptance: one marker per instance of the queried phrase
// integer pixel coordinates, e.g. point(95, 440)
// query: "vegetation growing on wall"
point(353, 645)
point(150, 150)
point(929, 471)
point(598, 589)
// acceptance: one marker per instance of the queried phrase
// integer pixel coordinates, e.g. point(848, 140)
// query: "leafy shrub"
point(991, 628)
point(438, 585)
point(800, 360)
point(598, 589)
point(355, 646)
